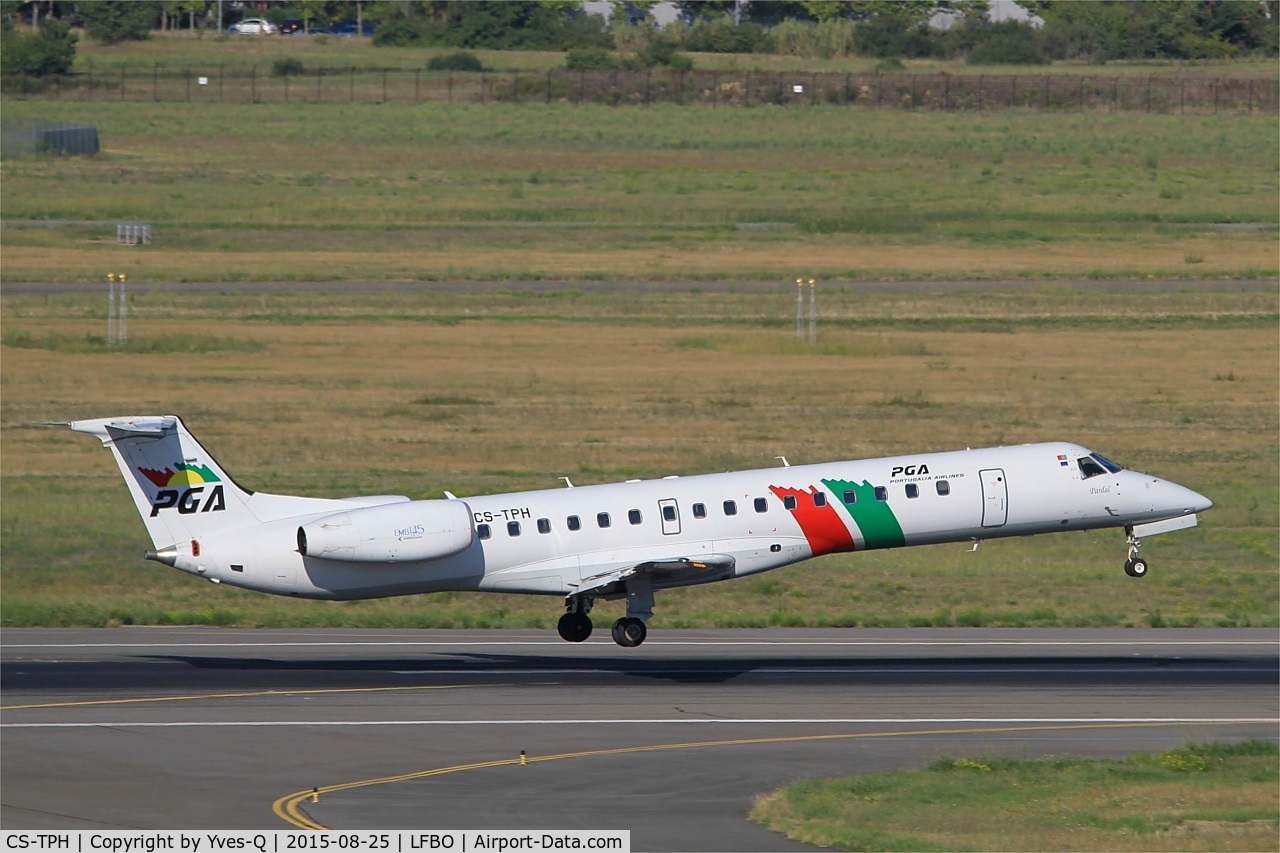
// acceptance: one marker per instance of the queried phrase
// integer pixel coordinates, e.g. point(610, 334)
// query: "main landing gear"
point(629, 631)
point(1135, 566)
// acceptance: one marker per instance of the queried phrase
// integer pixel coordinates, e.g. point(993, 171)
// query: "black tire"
point(1136, 568)
point(629, 632)
point(574, 627)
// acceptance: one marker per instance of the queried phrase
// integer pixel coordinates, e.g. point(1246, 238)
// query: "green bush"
point(721, 35)
point(287, 67)
point(1007, 43)
point(399, 32)
point(590, 59)
point(52, 50)
point(458, 61)
point(114, 21)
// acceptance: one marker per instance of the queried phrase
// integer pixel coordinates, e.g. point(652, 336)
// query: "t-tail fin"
point(181, 492)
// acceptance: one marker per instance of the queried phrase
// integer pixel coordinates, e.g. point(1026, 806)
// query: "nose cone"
point(1184, 499)
point(1201, 502)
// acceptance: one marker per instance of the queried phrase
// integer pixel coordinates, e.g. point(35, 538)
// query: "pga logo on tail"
point(190, 481)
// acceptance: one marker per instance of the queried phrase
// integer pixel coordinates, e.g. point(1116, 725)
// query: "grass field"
point(379, 391)
point(564, 192)
point(482, 392)
point(1196, 797)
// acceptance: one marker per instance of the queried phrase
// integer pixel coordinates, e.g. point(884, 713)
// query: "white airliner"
point(618, 540)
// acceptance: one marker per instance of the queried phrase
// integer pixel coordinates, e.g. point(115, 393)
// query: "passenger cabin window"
point(819, 498)
point(574, 523)
point(762, 505)
point(913, 491)
point(944, 488)
point(1090, 467)
point(633, 516)
point(850, 496)
point(668, 513)
point(699, 510)
point(730, 508)
point(602, 519)
point(513, 528)
point(882, 493)
point(544, 525)
point(483, 531)
point(789, 501)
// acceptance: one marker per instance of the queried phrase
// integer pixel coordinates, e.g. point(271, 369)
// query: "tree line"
point(39, 36)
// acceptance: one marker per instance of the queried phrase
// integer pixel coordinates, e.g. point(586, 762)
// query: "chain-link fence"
point(27, 136)
point(942, 91)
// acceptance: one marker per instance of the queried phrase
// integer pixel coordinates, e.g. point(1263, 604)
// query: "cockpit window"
point(1090, 467)
point(1107, 463)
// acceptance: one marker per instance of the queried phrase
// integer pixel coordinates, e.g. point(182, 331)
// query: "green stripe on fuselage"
point(876, 521)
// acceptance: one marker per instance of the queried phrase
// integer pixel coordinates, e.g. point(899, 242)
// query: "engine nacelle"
point(394, 533)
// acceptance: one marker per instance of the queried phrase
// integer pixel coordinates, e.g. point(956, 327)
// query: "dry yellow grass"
point(400, 393)
point(824, 256)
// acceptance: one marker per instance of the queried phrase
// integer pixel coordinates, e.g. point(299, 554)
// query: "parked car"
point(291, 26)
point(253, 26)
point(352, 28)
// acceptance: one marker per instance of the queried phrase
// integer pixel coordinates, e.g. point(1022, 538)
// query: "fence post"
point(846, 88)
point(1080, 96)
point(155, 83)
point(913, 90)
point(484, 92)
point(946, 92)
point(1182, 97)
point(286, 88)
point(189, 84)
point(1215, 95)
point(615, 87)
point(1250, 96)
point(122, 82)
point(319, 82)
point(417, 88)
point(351, 85)
point(1013, 93)
point(253, 84)
point(980, 76)
point(384, 85)
point(1148, 94)
point(222, 72)
point(582, 85)
point(715, 87)
point(1115, 85)
point(813, 89)
point(746, 90)
point(450, 87)
point(1048, 81)
point(91, 82)
point(548, 85)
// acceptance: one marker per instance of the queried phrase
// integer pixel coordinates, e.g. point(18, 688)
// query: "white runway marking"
point(1129, 721)
point(662, 643)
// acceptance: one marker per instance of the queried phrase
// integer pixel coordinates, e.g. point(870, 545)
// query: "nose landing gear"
point(1135, 566)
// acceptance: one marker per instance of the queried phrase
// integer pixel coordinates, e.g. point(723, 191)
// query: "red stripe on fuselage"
point(821, 525)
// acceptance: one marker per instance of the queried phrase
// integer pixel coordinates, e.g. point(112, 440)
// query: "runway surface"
point(208, 728)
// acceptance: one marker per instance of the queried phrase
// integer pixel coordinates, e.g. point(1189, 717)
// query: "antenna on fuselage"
point(785, 463)
point(568, 483)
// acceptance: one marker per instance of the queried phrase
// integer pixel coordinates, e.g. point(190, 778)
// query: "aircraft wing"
point(675, 566)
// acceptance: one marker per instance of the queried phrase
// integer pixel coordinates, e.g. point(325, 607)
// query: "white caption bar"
point(279, 841)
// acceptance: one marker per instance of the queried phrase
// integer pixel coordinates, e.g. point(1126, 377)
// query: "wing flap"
point(721, 562)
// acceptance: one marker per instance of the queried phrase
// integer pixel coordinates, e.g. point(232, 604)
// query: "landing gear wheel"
point(574, 627)
point(1135, 568)
point(629, 631)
